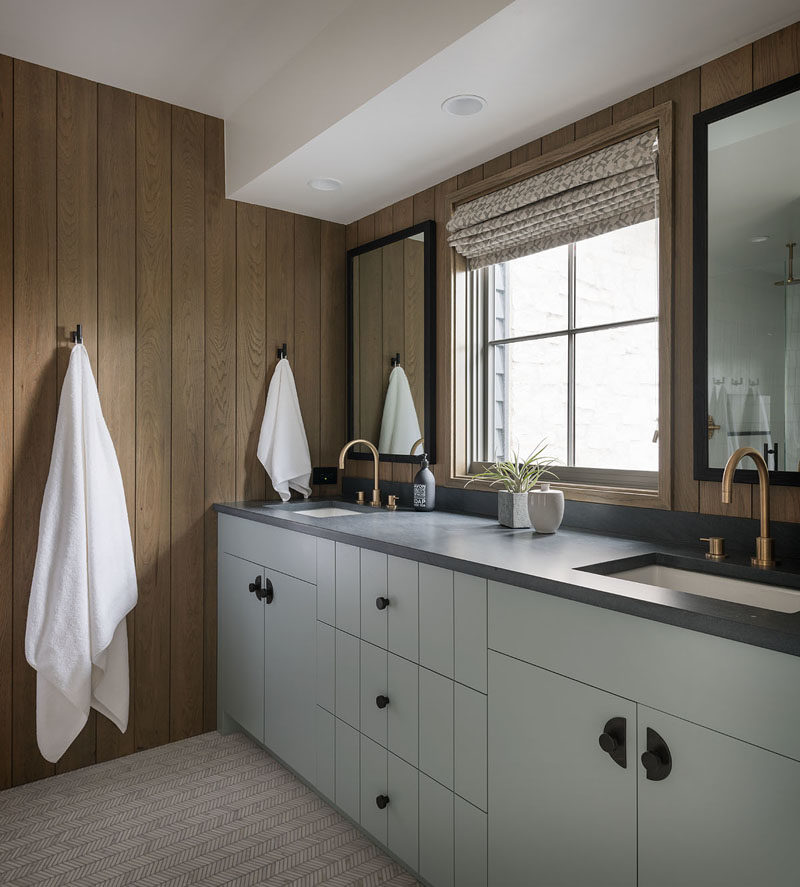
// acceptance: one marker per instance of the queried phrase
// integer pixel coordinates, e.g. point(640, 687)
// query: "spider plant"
point(516, 475)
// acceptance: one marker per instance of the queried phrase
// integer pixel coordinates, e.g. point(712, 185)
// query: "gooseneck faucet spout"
point(376, 493)
point(764, 556)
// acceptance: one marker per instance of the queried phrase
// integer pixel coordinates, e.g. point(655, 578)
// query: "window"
point(566, 344)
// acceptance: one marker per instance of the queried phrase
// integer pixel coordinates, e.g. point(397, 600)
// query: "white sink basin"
point(329, 511)
point(724, 588)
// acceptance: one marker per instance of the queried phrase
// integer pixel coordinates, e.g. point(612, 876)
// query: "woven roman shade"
point(611, 188)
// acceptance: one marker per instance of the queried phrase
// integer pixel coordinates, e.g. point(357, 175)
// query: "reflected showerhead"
point(791, 280)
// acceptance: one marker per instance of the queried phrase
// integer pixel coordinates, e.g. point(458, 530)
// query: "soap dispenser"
point(424, 487)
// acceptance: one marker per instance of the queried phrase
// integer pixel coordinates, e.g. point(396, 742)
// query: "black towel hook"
point(396, 360)
point(282, 352)
point(77, 335)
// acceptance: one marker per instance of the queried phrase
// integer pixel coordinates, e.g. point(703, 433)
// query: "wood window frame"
point(661, 117)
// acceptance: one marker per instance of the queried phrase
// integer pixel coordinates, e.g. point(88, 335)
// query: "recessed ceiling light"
point(324, 184)
point(463, 105)
point(759, 238)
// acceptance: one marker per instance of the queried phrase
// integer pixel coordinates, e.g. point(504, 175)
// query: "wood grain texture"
point(642, 101)
point(497, 164)
point(76, 269)
point(251, 315)
point(366, 229)
point(593, 123)
point(333, 338)
point(220, 385)
point(403, 214)
point(307, 368)
point(153, 420)
point(776, 56)
point(727, 77)
point(470, 176)
point(559, 138)
point(6, 409)
point(188, 424)
point(526, 152)
point(35, 370)
point(116, 327)
point(383, 222)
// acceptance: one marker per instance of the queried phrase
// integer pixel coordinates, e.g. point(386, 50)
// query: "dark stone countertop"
point(552, 564)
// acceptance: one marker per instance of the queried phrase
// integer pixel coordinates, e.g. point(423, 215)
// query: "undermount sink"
point(765, 595)
point(329, 511)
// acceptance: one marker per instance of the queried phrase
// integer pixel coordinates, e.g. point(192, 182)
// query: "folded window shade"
point(608, 189)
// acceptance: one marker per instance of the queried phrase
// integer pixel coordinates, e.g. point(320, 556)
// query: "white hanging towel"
point(84, 580)
point(283, 445)
point(400, 426)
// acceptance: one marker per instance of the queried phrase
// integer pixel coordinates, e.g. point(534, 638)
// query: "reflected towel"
point(283, 445)
point(399, 426)
point(84, 580)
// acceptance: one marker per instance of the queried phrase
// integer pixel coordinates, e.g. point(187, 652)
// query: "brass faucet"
point(764, 556)
point(376, 493)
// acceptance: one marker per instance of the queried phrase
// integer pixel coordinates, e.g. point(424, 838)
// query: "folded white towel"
point(400, 425)
point(283, 445)
point(84, 581)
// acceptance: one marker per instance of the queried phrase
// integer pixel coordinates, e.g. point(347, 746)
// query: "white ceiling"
point(351, 89)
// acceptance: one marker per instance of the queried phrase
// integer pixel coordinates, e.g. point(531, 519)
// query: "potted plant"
point(517, 478)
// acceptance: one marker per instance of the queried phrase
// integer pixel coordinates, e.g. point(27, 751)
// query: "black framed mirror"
point(391, 360)
point(746, 284)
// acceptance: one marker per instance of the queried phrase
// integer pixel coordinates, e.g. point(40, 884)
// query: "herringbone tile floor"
point(212, 810)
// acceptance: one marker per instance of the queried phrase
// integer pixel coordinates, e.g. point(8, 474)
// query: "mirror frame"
point(428, 229)
point(702, 470)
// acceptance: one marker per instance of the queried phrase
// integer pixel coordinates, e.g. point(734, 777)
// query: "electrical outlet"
point(324, 477)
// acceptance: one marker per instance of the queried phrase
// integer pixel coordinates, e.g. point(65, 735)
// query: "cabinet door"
point(347, 678)
point(326, 753)
point(403, 585)
point(562, 811)
point(470, 845)
point(348, 790)
point(291, 674)
point(403, 709)
point(403, 811)
point(470, 614)
point(241, 644)
point(436, 619)
point(348, 584)
point(373, 587)
point(374, 788)
point(326, 581)
point(470, 745)
point(373, 685)
point(326, 666)
point(436, 726)
point(436, 835)
point(727, 815)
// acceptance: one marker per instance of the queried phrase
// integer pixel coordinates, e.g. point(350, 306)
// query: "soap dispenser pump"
point(424, 487)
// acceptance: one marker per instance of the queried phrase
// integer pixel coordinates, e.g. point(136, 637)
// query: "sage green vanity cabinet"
point(241, 643)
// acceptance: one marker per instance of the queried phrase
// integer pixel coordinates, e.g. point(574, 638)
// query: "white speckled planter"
point(546, 509)
point(512, 510)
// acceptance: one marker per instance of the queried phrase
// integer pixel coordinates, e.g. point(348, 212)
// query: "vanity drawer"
point(347, 770)
point(436, 833)
point(326, 581)
point(403, 592)
point(348, 588)
point(725, 685)
point(469, 752)
point(436, 726)
point(347, 678)
point(374, 594)
point(373, 684)
point(326, 666)
point(470, 616)
point(436, 619)
point(326, 753)
point(403, 709)
point(374, 788)
point(294, 554)
point(471, 845)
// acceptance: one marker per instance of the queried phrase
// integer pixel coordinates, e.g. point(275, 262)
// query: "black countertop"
point(552, 564)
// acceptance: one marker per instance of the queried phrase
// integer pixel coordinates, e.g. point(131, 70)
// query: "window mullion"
point(571, 355)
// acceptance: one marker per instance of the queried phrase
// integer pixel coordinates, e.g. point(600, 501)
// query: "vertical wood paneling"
point(366, 229)
point(559, 138)
point(727, 77)
point(403, 214)
point(307, 369)
point(642, 101)
point(594, 122)
point(35, 370)
point(251, 249)
point(188, 425)
point(383, 222)
point(116, 326)
point(76, 188)
point(220, 384)
point(153, 420)
point(333, 338)
point(6, 408)
point(470, 176)
point(776, 56)
point(526, 152)
point(497, 164)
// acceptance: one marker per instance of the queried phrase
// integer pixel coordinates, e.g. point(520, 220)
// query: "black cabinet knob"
point(269, 592)
point(262, 592)
point(657, 760)
point(382, 603)
point(612, 740)
point(382, 801)
point(255, 587)
point(381, 701)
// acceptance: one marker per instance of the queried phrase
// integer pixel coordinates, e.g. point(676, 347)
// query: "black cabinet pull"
point(612, 741)
point(266, 592)
point(269, 592)
point(382, 801)
point(255, 587)
point(657, 760)
point(382, 603)
point(381, 701)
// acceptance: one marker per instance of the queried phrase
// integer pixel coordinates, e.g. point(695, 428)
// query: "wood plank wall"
point(113, 214)
point(758, 64)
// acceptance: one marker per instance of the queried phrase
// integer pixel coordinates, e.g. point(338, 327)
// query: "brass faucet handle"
point(361, 497)
point(716, 548)
point(391, 503)
point(376, 499)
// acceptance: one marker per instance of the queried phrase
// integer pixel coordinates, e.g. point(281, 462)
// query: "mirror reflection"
point(753, 384)
point(390, 379)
